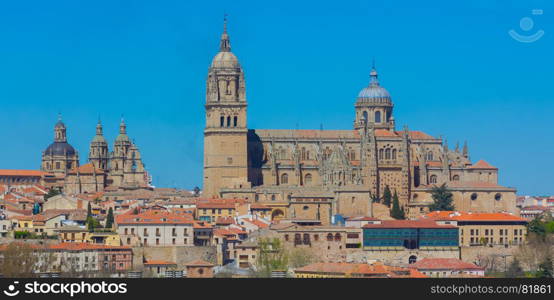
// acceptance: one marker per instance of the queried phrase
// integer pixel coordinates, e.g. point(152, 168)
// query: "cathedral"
point(120, 169)
point(315, 175)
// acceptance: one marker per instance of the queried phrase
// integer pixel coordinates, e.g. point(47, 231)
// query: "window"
point(229, 121)
point(305, 207)
point(330, 237)
point(498, 197)
point(229, 160)
point(412, 259)
point(387, 153)
point(308, 179)
point(337, 237)
point(377, 117)
point(316, 237)
point(235, 121)
point(364, 116)
point(272, 197)
point(474, 196)
point(393, 153)
point(286, 237)
point(429, 155)
point(221, 121)
point(284, 179)
point(433, 179)
point(380, 153)
point(456, 178)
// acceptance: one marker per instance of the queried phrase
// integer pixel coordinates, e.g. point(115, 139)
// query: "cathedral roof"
point(374, 92)
point(225, 60)
point(334, 134)
point(86, 169)
point(60, 148)
point(482, 165)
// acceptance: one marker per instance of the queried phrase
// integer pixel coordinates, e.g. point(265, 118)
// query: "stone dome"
point(225, 59)
point(60, 148)
point(374, 92)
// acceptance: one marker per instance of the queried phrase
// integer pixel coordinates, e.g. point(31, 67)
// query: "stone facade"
point(270, 166)
point(121, 168)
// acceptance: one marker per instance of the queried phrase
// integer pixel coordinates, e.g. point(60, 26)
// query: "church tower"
point(118, 157)
point(98, 152)
point(374, 105)
point(60, 156)
point(225, 135)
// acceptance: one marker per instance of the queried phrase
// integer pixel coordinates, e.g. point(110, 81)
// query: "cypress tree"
point(397, 212)
point(387, 196)
point(109, 219)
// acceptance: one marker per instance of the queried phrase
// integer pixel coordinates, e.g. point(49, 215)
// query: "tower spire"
point(224, 44)
point(99, 127)
point(122, 126)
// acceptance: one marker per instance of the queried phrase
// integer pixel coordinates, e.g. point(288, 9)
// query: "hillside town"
point(370, 202)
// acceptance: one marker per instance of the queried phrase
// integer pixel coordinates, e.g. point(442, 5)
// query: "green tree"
point(442, 198)
point(374, 198)
point(89, 211)
point(387, 196)
point(515, 270)
point(271, 257)
point(545, 269)
point(396, 211)
point(51, 193)
point(537, 226)
point(109, 219)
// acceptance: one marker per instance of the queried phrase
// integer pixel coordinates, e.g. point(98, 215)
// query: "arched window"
point(433, 179)
point(352, 155)
point(235, 121)
point(429, 155)
point(303, 153)
point(222, 121)
point(330, 237)
point(364, 116)
point(228, 121)
point(337, 237)
point(308, 179)
point(284, 179)
point(393, 153)
point(377, 117)
point(456, 178)
point(380, 153)
point(272, 197)
point(387, 153)
point(412, 259)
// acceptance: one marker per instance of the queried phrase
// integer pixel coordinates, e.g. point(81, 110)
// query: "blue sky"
point(452, 70)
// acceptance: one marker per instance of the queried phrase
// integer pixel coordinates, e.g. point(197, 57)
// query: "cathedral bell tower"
point(98, 153)
point(225, 135)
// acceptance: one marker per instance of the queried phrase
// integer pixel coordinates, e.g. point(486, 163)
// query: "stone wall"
point(178, 254)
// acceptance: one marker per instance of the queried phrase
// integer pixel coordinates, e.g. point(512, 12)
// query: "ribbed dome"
point(122, 138)
point(60, 148)
point(374, 92)
point(99, 139)
point(225, 59)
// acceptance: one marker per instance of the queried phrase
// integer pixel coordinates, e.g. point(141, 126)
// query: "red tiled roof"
point(377, 269)
point(471, 216)
point(85, 246)
point(34, 173)
point(482, 165)
point(444, 264)
point(86, 169)
point(152, 262)
point(407, 224)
